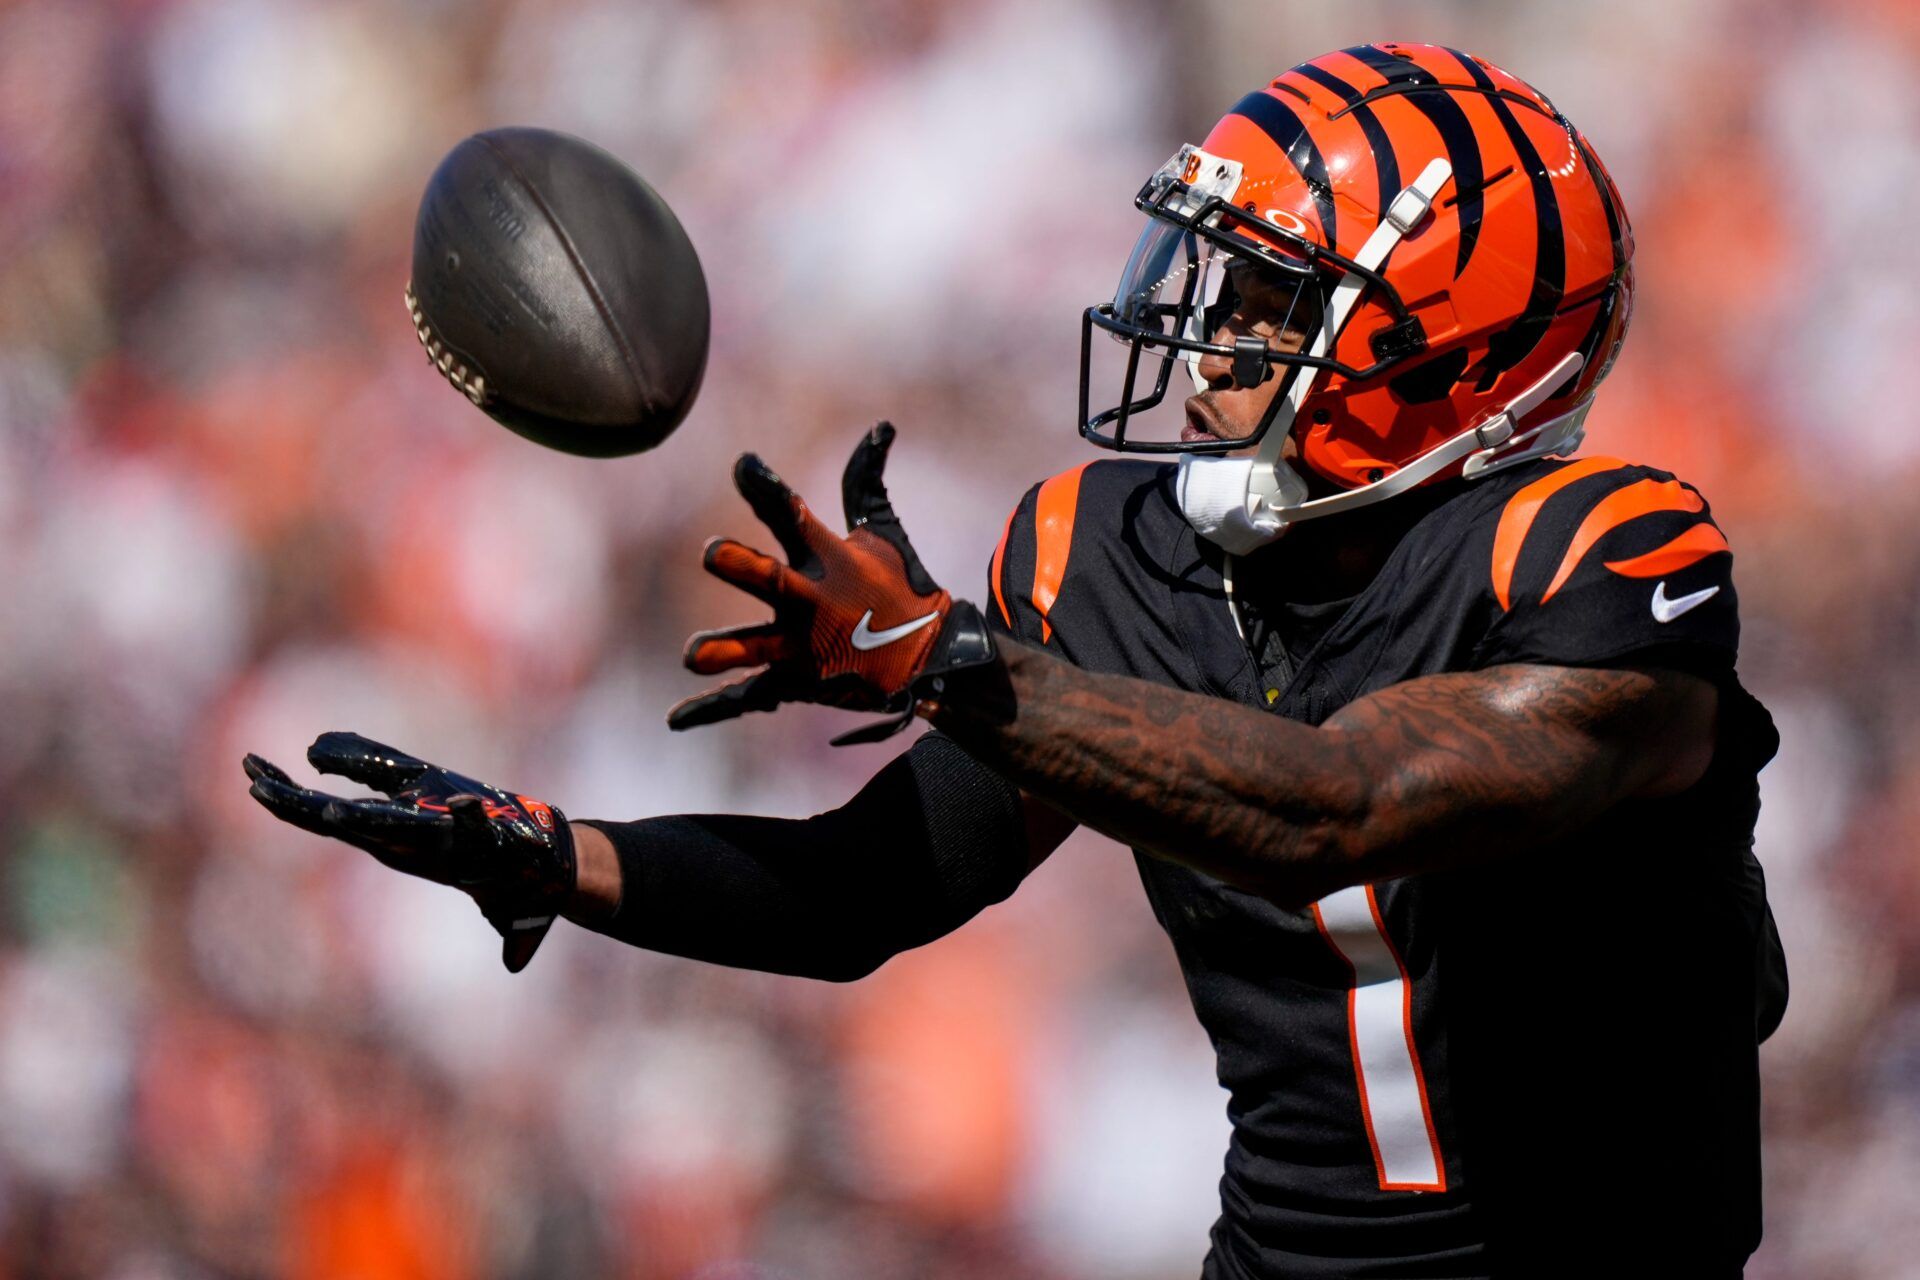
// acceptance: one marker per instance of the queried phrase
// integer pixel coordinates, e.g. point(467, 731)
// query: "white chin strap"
point(1241, 504)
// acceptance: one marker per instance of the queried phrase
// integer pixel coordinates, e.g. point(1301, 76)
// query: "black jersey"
point(1542, 1066)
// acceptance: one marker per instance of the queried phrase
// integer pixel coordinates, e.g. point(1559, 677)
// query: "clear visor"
point(1169, 269)
point(1177, 289)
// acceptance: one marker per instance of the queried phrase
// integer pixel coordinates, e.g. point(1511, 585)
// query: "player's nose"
point(1216, 371)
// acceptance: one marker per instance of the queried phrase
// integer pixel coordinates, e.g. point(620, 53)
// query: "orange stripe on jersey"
point(1694, 545)
point(1052, 540)
point(993, 572)
point(1643, 497)
point(1520, 512)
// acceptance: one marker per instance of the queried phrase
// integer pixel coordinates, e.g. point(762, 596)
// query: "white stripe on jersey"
point(1393, 1095)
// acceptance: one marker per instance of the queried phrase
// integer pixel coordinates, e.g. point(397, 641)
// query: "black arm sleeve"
point(933, 839)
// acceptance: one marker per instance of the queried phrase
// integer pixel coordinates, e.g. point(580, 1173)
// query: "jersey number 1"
point(1386, 1064)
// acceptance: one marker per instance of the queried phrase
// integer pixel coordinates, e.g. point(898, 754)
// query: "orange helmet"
point(1467, 255)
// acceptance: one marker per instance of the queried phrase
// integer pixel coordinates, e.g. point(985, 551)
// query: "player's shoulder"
point(1089, 524)
point(1547, 527)
point(1587, 556)
point(1096, 499)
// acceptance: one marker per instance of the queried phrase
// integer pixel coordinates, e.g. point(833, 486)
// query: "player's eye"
point(1266, 305)
point(1258, 293)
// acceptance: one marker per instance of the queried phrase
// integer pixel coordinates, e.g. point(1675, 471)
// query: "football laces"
point(471, 384)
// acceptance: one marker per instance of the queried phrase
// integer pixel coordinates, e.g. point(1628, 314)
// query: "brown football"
point(557, 290)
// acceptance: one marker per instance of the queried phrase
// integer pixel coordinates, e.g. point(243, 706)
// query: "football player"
point(1428, 740)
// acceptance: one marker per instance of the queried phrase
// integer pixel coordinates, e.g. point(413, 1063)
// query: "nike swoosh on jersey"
point(1665, 610)
point(866, 638)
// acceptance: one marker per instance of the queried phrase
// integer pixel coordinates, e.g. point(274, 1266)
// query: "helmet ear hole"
point(1434, 380)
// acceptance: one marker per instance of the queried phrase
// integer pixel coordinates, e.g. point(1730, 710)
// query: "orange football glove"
point(857, 623)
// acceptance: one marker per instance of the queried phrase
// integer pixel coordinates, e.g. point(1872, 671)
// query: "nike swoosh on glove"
point(513, 854)
point(857, 623)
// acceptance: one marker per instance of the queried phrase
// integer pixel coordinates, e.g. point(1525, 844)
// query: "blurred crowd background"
point(237, 508)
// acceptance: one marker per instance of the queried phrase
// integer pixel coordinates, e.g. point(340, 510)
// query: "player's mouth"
point(1200, 426)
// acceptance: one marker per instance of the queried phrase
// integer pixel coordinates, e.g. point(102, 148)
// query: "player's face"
point(1268, 309)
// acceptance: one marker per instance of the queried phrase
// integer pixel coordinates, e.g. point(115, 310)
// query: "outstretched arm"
point(602, 882)
point(932, 840)
point(1433, 773)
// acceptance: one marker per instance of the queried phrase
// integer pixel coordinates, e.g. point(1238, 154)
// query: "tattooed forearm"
point(1435, 772)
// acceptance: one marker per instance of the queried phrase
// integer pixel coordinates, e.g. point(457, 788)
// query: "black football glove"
point(857, 623)
point(512, 853)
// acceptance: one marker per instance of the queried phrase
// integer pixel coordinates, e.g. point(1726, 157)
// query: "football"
point(557, 291)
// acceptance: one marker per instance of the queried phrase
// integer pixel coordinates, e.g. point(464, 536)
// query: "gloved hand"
point(512, 853)
point(857, 623)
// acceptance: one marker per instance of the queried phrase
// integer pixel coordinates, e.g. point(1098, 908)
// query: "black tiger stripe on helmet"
point(1511, 345)
point(1429, 98)
point(1385, 162)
